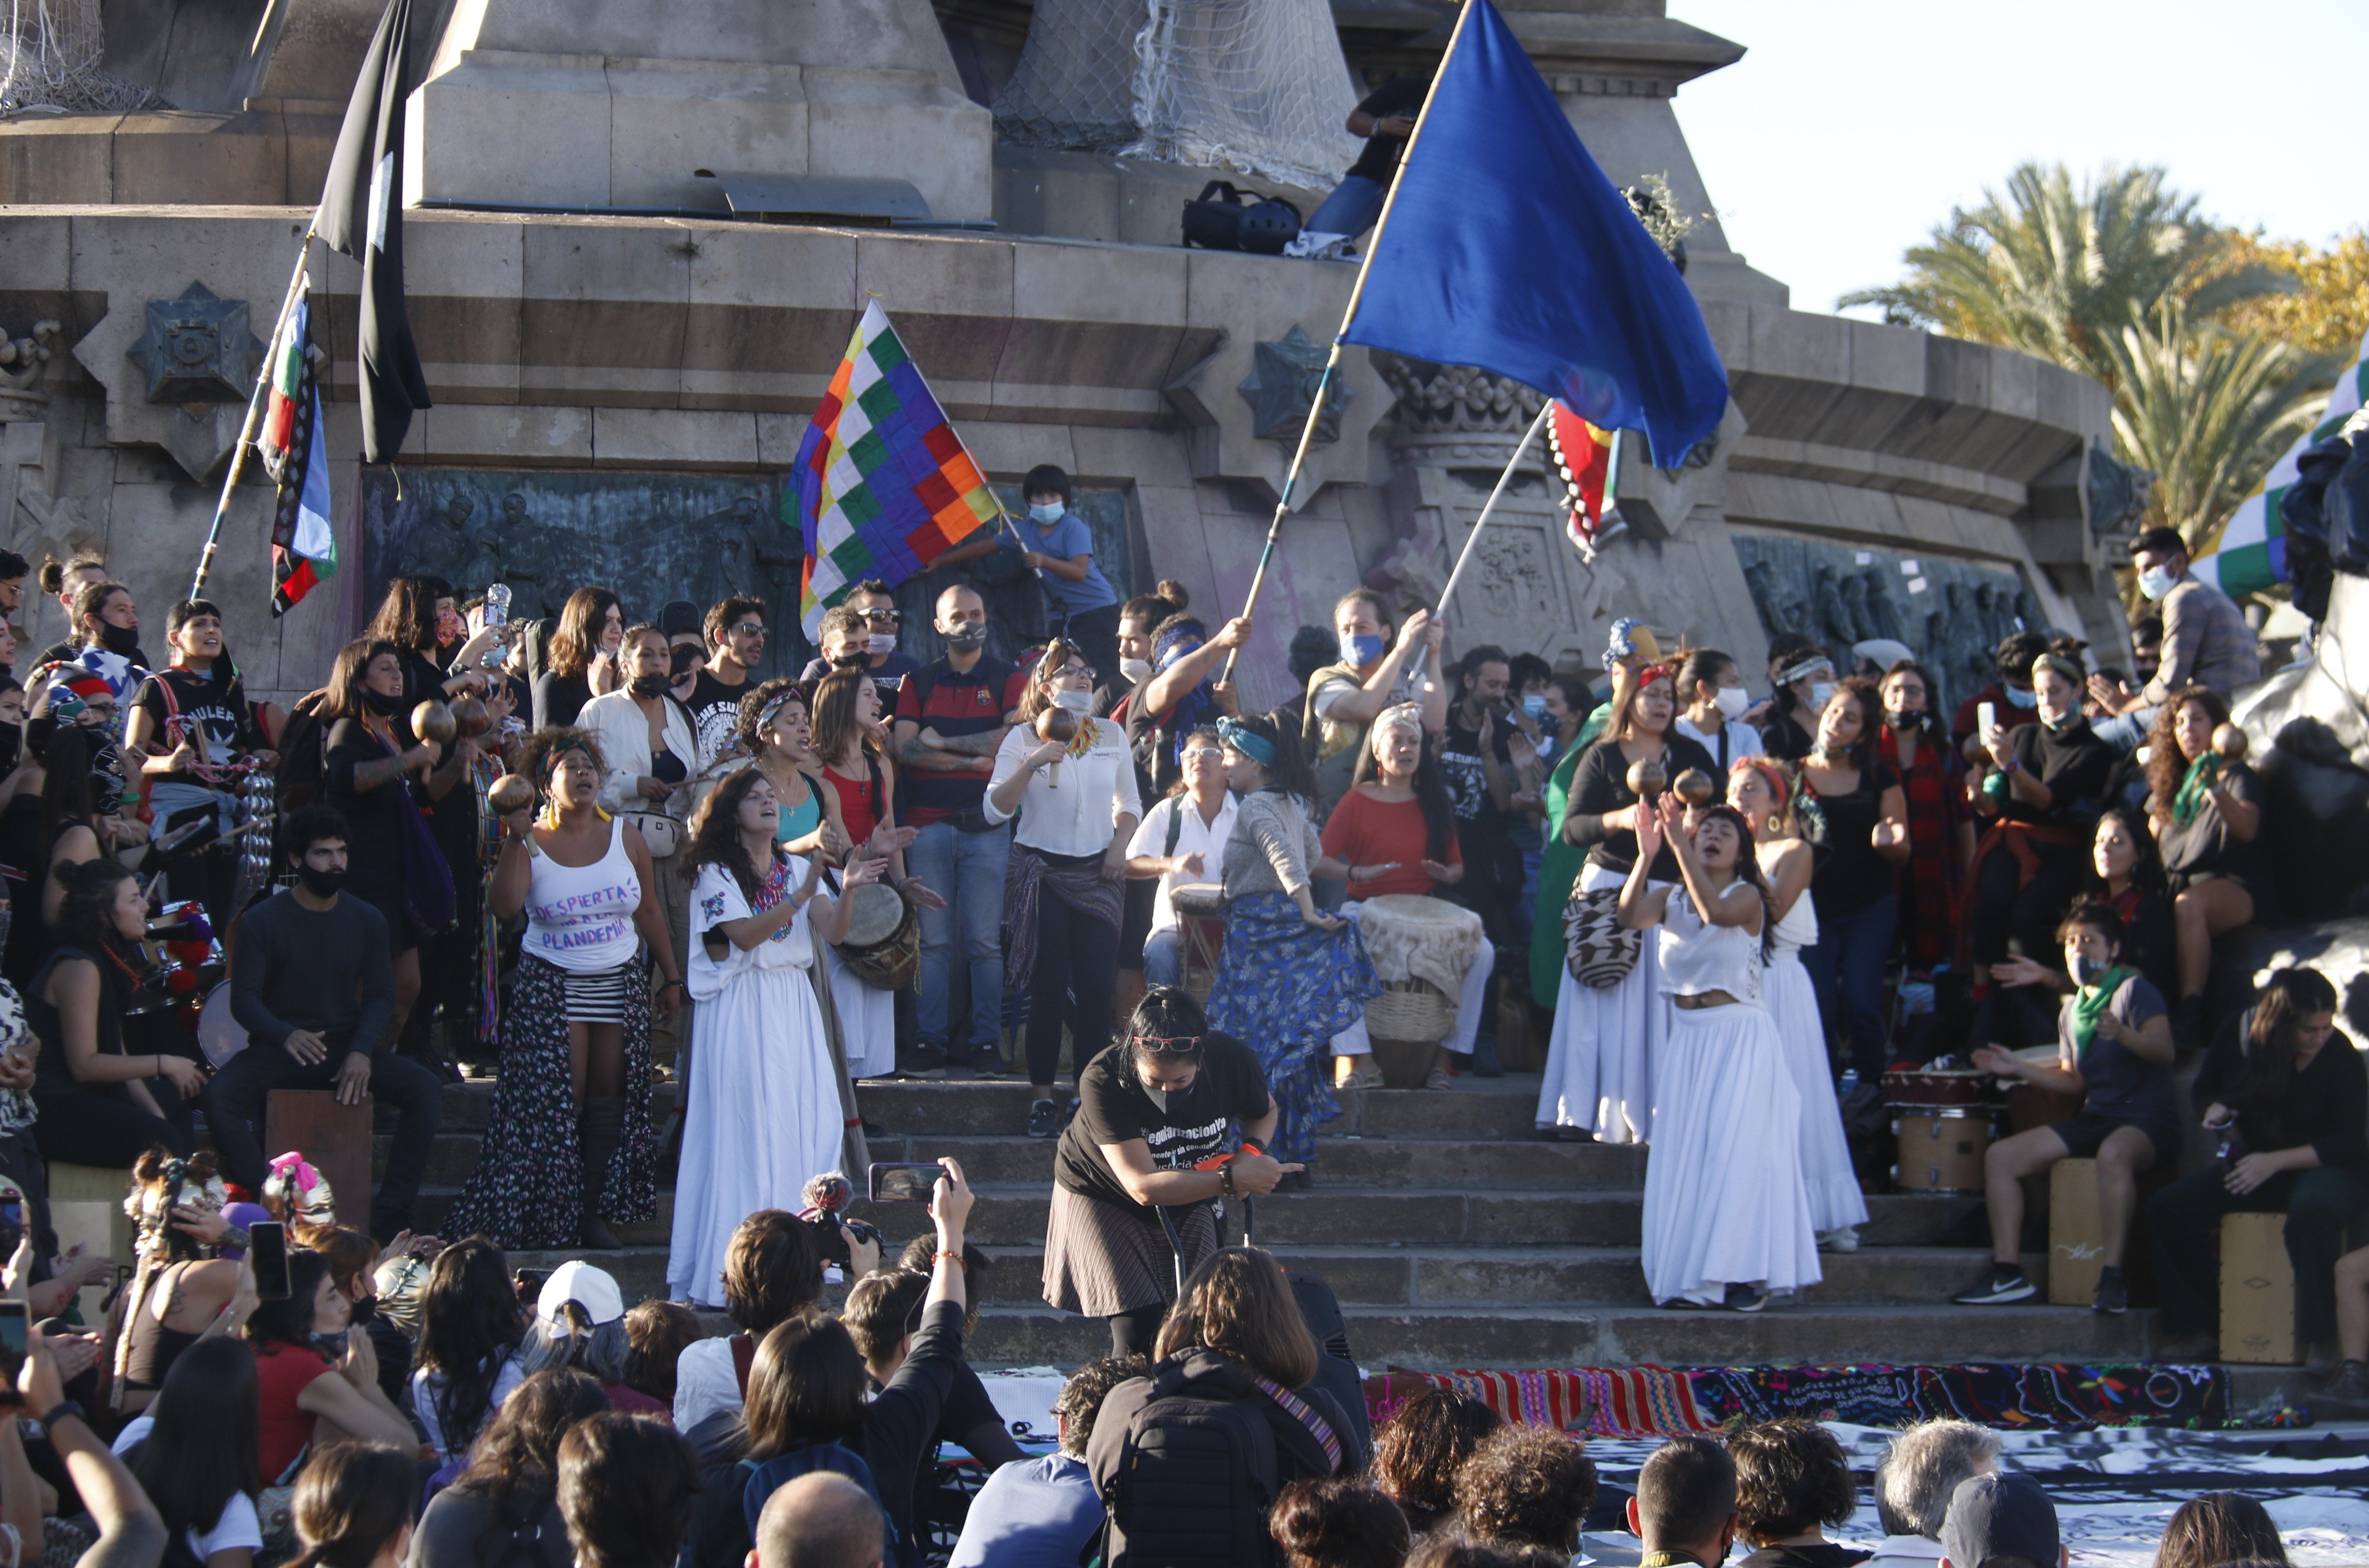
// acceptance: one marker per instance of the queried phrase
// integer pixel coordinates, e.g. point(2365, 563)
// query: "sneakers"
point(2114, 1293)
point(1743, 1297)
point(921, 1061)
point(1044, 1119)
point(2003, 1283)
point(1842, 1239)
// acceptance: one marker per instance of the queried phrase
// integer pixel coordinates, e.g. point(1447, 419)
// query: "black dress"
point(95, 1124)
point(374, 852)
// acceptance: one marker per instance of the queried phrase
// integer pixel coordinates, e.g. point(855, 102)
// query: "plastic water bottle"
point(1850, 1083)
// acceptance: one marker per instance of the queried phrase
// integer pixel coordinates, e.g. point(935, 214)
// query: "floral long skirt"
point(1285, 988)
point(527, 1191)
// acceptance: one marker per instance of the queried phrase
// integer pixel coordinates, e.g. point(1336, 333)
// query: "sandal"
point(1369, 1077)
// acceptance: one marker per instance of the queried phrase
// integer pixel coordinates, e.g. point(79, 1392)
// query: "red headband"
point(1767, 770)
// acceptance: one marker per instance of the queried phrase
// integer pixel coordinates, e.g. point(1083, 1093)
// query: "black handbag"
point(1225, 218)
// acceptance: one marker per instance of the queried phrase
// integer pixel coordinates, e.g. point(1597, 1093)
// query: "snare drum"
point(1200, 934)
point(1941, 1151)
point(1937, 1089)
point(884, 937)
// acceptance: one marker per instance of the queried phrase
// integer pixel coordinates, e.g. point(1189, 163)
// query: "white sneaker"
point(1844, 1238)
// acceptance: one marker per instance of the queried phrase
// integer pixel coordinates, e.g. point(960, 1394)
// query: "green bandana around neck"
point(2089, 1004)
point(2202, 773)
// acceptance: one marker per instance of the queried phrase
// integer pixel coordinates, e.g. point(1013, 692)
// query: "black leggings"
point(1077, 955)
point(1133, 1332)
point(97, 1123)
point(2027, 917)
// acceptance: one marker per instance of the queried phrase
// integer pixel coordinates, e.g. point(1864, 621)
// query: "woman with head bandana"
point(570, 1144)
point(2041, 802)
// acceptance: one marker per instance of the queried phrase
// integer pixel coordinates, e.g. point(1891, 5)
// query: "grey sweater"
point(1271, 848)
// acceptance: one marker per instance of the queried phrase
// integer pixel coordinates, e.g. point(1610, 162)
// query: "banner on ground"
point(882, 486)
point(2251, 553)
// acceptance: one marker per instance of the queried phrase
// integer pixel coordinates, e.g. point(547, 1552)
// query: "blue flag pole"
point(1332, 360)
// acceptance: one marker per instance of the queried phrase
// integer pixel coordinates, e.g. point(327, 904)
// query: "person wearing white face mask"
point(1803, 676)
point(2205, 639)
point(1716, 703)
point(1077, 806)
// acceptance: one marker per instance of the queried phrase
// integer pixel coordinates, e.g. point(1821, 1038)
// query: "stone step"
point(1554, 1276)
point(436, 1202)
point(1491, 1108)
point(1786, 1334)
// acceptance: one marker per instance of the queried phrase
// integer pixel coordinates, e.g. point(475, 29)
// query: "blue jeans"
point(1351, 209)
point(967, 870)
point(1164, 957)
point(1845, 966)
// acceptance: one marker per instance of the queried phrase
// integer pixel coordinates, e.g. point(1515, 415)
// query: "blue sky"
point(1853, 126)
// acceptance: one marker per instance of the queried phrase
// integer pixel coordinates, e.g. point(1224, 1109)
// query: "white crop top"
point(1697, 959)
point(581, 918)
point(1798, 930)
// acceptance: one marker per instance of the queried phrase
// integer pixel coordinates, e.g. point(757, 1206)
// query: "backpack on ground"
point(1195, 1479)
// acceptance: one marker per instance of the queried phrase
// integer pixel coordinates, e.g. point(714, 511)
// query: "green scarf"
point(2201, 774)
point(2089, 1004)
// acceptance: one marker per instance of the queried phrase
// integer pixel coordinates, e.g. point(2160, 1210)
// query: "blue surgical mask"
point(2156, 581)
point(2023, 696)
point(1047, 511)
point(1360, 648)
point(1535, 704)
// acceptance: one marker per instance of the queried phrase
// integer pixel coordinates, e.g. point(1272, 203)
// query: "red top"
point(1365, 831)
point(633, 1402)
point(282, 1372)
point(859, 803)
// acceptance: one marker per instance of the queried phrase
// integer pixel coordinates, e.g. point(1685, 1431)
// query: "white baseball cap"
point(579, 1281)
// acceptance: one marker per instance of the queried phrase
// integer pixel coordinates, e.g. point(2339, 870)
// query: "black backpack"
point(303, 774)
point(1195, 1479)
point(1222, 218)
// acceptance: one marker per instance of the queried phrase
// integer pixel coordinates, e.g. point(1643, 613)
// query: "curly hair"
point(1526, 1485)
point(747, 717)
point(1419, 1452)
point(1790, 1476)
point(518, 1453)
point(1338, 1524)
point(2167, 765)
point(527, 761)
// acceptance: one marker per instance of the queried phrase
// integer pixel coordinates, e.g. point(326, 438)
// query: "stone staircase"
point(1454, 1237)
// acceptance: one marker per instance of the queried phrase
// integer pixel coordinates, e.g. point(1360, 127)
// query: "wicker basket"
point(1407, 1022)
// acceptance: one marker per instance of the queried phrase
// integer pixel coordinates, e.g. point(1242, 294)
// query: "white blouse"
point(616, 721)
point(1071, 806)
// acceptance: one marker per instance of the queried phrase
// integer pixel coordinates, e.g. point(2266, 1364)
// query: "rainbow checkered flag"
point(2251, 554)
point(882, 485)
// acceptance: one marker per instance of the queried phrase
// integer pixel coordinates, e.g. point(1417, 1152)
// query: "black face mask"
point(380, 703)
point(647, 686)
point(121, 641)
point(364, 1310)
point(967, 637)
point(320, 884)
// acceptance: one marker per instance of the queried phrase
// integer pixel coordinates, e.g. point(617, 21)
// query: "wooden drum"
point(884, 937)
point(1941, 1151)
point(1421, 947)
point(1200, 934)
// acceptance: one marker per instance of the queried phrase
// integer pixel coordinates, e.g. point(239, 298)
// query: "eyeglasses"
point(749, 629)
point(1207, 754)
point(891, 616)
point(1074, 671)
point(1168, 1045)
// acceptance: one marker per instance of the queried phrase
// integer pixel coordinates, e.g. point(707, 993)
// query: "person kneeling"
point(2113, 1048)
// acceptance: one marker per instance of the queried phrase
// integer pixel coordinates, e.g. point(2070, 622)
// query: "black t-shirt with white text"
point(1114, 1107)
point(212, 717)
point(715, 714)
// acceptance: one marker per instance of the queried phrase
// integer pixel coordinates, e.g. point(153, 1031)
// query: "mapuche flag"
point(1506, 248)
point(361, 215)
point(882, 486)
point(296, 451)
point(1582, 459)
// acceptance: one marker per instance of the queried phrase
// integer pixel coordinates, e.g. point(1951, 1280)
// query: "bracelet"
point(1226, 1179)
point(61, 1409)
point(936, 1258)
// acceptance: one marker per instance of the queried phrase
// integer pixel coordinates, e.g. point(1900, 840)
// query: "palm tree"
point(2057, 271)
point(2208, 409)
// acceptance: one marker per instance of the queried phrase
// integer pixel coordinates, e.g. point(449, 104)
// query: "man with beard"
point(311, 986)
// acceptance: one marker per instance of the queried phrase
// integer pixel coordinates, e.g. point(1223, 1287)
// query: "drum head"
point(1199, 900)
point(219, 1034)
point(876, 910)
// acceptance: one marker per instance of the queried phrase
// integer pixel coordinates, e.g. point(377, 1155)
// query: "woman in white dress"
point(1759, 790)
point(1600, 1071)
point(1727, 1217)
point(764, 1109)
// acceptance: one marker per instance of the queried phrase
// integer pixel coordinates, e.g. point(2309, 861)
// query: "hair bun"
point(1175, 592)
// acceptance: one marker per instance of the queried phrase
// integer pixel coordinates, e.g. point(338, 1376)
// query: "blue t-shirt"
point(1063, 541)
point(1031, 1514)
point(2122, 1083)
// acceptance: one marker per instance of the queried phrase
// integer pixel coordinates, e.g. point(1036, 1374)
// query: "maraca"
point(470, 719)
point(1695, 787)
point(1057, 724)
point(510, 793)
point(1648, 778)
point(2230, 741)
point(431, 720)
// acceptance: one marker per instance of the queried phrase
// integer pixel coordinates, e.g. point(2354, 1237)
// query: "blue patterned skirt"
point(1285, 988)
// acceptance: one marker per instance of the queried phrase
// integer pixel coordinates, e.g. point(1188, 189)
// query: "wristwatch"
point(62, 1408)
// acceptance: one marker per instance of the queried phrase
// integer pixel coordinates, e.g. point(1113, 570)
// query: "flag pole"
point(1482, 522)
point(1332, 360)
point(246, 431)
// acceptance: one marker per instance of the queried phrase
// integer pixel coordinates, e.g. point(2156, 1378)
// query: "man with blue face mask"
point(1379, 665)
point(2205, 639)
point(1055, 542)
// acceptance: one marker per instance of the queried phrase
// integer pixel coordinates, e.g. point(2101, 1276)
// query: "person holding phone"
point(99, 1105)
point(311, 986)
point(130, 1535)
point(764, 1111)
point(304, 1395)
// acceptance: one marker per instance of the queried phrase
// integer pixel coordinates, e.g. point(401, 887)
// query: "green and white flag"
point(2251, 553)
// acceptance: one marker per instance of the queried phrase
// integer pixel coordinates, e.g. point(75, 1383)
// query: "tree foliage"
point(2327, 311)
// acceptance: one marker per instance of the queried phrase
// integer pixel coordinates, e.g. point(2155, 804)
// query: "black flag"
point(361, 215)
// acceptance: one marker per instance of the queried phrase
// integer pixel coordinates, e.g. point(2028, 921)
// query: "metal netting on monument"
point(1258, 86)
point(48, 59)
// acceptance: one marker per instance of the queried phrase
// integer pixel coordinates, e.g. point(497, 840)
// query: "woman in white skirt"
point(764, 1108)
point(1599, 1073)
point(1761, 792)
point(1727, 1217)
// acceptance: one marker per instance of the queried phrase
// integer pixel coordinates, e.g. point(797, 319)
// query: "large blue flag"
point(1508, 249)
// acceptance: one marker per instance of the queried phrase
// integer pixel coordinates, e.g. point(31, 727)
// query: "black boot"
point(598, 1127)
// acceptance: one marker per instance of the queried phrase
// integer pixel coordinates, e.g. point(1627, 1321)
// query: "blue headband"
point(1247, 741)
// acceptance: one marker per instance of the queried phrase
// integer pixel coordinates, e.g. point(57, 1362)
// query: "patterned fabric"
point(526, 1190)
point(1932, 884)
point(1027, 876)
point(1300, 1409)
point(1287, 988)
point(1601, 951)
